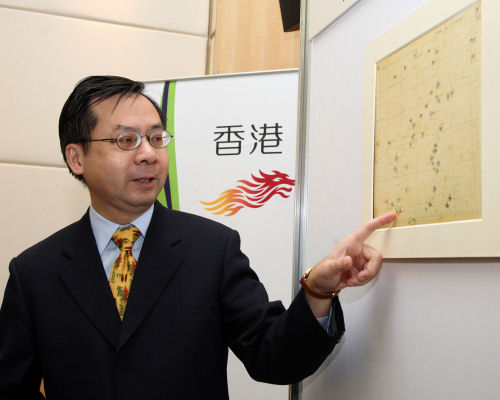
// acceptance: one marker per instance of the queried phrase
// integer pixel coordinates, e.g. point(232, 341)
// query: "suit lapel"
point(159, 260)
point(84, 277)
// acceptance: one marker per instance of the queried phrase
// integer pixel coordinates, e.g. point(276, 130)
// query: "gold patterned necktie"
point(123, 269)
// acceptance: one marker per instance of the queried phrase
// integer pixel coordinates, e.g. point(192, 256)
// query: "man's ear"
point(74, 157)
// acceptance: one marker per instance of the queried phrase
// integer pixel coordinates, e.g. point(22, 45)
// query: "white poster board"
point(235, 146)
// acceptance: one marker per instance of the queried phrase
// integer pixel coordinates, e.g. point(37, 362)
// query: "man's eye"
point(127, 141)
point(126, 138)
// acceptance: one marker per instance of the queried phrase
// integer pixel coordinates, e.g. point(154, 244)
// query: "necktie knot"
point(125, 237)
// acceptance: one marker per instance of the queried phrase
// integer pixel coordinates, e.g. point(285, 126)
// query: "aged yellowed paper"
point(427, 141)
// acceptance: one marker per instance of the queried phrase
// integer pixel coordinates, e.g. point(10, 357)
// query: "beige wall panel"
point(37, 202)
point(186, 16)
point(44, 56)
point(249, 37)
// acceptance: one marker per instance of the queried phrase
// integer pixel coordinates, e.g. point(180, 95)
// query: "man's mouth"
point(145, 181)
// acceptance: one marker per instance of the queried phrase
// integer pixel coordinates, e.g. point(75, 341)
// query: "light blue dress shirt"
point(103, 231)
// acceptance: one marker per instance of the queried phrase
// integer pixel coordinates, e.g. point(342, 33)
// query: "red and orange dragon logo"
point(253, 194)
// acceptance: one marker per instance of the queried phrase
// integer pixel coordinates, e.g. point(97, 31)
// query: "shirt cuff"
point(325, 321)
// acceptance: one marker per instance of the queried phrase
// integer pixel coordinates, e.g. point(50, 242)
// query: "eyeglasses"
point(132, 140)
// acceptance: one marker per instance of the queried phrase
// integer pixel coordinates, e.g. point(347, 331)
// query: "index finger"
point(365, 230)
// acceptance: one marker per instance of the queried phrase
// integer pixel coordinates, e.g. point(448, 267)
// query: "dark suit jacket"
point(192, 296)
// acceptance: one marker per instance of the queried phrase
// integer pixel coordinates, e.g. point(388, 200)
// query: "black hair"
point(77, 120)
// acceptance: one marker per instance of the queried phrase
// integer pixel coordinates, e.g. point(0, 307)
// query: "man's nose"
point(145, 152)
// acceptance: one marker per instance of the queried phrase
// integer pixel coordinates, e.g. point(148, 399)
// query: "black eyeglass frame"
point(116, 139)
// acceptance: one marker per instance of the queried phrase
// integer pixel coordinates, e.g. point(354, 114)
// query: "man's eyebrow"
point(156, 126)
point(127, 128)
point(124, 128)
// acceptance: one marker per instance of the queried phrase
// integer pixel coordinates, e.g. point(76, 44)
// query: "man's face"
point(123, 184)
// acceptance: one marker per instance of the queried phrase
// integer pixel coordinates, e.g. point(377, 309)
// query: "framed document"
point(431, 132)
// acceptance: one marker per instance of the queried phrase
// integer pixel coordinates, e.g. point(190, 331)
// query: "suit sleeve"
point(20, 374)
point(276, 345)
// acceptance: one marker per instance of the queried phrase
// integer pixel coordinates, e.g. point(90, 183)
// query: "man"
point(71, 316)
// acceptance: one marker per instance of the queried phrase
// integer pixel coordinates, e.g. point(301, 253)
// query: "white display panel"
point(423, 329)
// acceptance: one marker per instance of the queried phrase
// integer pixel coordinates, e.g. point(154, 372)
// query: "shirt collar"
point(104, 228)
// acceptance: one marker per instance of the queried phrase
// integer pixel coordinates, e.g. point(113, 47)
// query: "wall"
point(426, 329)
point(47, 46)
point(249, 36)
